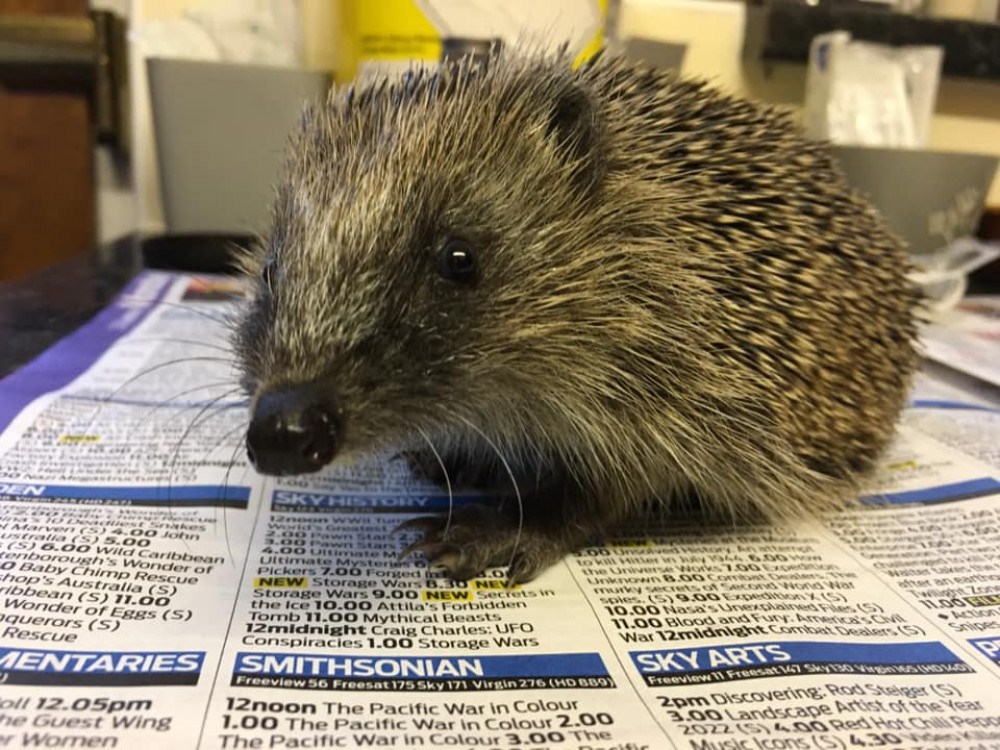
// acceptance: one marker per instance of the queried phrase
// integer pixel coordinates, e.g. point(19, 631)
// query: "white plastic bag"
point(944, 275)
point(863, 94)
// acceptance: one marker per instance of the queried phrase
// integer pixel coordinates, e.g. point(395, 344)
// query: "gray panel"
point(654, 53)
point(919, 191)
point(221, 132)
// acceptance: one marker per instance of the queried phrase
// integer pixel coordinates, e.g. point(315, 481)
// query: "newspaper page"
point(967, 338)
point(156, 593)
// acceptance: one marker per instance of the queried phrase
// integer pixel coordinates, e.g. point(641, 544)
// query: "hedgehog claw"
point(428, 547)
point(523, 569)
point(457, 565)
point(480, 537)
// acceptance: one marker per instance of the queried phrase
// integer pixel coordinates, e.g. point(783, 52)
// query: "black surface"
point(195, 253)
point(782, 30)
point(39, 309)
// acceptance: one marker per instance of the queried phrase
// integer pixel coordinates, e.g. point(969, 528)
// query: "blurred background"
point(151, 130)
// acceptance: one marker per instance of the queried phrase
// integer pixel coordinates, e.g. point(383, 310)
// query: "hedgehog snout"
point(294, 429)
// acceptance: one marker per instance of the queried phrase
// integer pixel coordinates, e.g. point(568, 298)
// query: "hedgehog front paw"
point(480, 537)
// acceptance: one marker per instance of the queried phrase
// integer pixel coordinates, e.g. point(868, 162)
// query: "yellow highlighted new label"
point(280, 582)
point(491, 584)
point(446, 596)
point(983, 600)
point(630, 543)
point(79, 438)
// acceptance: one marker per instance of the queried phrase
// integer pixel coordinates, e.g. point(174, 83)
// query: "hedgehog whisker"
point(91, 308)
point(191, 425)
point(447, 480)
point(167, 401)
point(191, 342)
point(225, 487)
point(222, 318)
point(517, 492)
point(218, 443)
point(148, 371)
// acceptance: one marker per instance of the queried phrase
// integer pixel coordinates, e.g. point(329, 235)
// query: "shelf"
point(781, 31)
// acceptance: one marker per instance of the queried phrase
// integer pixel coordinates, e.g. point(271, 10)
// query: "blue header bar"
point(944, 493)
point(419, 667)
point(320, 502)
point(100, 662)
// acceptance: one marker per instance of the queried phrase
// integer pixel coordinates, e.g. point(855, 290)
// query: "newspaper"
point(967, 338)
point(156, 593)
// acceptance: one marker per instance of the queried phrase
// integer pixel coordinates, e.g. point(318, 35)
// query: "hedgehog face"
point(417, 260)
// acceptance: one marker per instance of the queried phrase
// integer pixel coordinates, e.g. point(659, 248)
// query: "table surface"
point(39, 309)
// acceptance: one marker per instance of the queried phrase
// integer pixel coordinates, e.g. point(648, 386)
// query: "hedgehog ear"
point(574, 125)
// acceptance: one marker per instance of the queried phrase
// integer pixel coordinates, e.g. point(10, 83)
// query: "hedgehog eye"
point(457, 261)
point(268, 272)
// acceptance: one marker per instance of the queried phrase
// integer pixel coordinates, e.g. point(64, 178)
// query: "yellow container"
point(392, 34)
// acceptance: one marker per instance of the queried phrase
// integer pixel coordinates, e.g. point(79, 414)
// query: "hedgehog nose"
point(292, 431)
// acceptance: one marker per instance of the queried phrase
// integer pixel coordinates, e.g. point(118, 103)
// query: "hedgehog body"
point(607, 286)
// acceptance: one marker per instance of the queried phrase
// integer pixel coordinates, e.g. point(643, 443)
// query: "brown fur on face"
point(677, 292)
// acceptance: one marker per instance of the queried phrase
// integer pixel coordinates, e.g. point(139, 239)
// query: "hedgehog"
point(599, 291)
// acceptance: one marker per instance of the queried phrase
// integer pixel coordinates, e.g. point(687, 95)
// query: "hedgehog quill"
point(607, 287)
